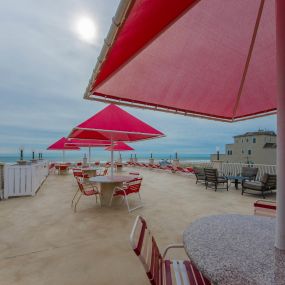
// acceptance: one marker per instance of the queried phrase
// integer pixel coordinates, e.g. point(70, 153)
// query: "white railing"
point(228, 168)
point(201, 164)
point(24, 180)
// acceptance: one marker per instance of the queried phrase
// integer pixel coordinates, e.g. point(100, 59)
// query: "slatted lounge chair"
point(267, 183)
point(265, 208)
point(199, 174)
point(159, 269)
point(132, 187)
point(85, 190)
point(212, 179)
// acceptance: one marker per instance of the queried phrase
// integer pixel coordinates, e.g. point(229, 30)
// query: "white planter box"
point(24, 180)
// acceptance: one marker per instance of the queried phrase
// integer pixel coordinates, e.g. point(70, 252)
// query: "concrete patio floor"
point(43, 241)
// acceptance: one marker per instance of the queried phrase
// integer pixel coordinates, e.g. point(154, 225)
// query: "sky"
point(45, 68)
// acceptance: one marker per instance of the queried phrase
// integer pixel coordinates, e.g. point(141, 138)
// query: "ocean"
point(103, 156)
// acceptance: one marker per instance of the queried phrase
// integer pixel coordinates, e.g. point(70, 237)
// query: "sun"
point(86, 29)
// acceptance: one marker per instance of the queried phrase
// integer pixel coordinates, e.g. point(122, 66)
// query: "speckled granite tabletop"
point(236, 250)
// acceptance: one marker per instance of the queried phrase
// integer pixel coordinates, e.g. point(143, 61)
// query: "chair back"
point(250, 172)
point(269, 181)
point(134, 185)
point(63, 167)
point(265, 208)
point(211, 174)
point(80, 185)
point(145, 247)
point(105, 171)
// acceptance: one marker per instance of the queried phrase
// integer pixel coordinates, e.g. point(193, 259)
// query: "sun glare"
point(86, 29)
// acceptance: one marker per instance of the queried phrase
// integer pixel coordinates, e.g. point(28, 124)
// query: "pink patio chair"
point(265, 208)
point(51, 167)
point(131, 187)
point(159, 269)
point(86, 190)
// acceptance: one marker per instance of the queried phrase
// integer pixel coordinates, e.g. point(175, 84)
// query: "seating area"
point(64, 242)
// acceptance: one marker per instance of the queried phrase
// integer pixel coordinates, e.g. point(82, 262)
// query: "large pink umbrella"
point(115, 124)
point(213, 59)
point(89, 144)
point(119, 146)
point(61, 145)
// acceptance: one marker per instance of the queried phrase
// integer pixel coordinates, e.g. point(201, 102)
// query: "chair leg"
point(110, 204)
point(127, 202)
point(74, 197)
point(77, 202)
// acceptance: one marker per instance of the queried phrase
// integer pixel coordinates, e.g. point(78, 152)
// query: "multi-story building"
point(252, 147)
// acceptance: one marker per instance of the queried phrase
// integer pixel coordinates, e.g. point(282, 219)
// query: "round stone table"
point(236, 250)
point(107, 185)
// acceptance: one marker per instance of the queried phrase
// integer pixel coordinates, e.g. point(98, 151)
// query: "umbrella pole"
point(112, 157)
point(280, 52)
point(63, 156)
point(89, 155)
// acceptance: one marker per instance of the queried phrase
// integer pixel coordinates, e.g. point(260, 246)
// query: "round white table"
point(107, 185)
point(236, 250)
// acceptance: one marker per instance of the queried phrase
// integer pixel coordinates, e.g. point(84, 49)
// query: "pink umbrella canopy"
point(213, 59)
point(61, 145)
point(119, 146)
point(219, 59)
point(113, 123)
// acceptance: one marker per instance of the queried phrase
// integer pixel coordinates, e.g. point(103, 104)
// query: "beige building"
point(252, 147)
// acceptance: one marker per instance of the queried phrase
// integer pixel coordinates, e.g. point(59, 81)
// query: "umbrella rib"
point(256, 26)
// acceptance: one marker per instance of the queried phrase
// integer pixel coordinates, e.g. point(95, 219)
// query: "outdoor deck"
point(43, 241)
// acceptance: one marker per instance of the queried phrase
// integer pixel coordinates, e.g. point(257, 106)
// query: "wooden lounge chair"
point(85, 190)
point(265, 208)
point(159, 269)
point(267, 183)
point(212, 179)
point(131, 187)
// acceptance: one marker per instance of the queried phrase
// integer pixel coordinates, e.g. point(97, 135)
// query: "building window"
point(254, 140)
point(242, 151)
point(242, 140)
point(246, 140)
point(249, 152)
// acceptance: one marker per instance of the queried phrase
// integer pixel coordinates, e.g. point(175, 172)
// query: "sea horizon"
point(103, 156)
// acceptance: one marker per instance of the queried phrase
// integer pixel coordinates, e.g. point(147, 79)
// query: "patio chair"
point(265, 208)
point(159, 269)
point(131, 187)
point(267, 183)
point(86, 190)
point(212, 178)
point(104, 172)
point(200, 174)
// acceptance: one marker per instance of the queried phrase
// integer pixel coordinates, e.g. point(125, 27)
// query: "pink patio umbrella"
point(114, 124)
point(119, 146)
point(89, 144)
point(212, 59)
point(60, 145)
